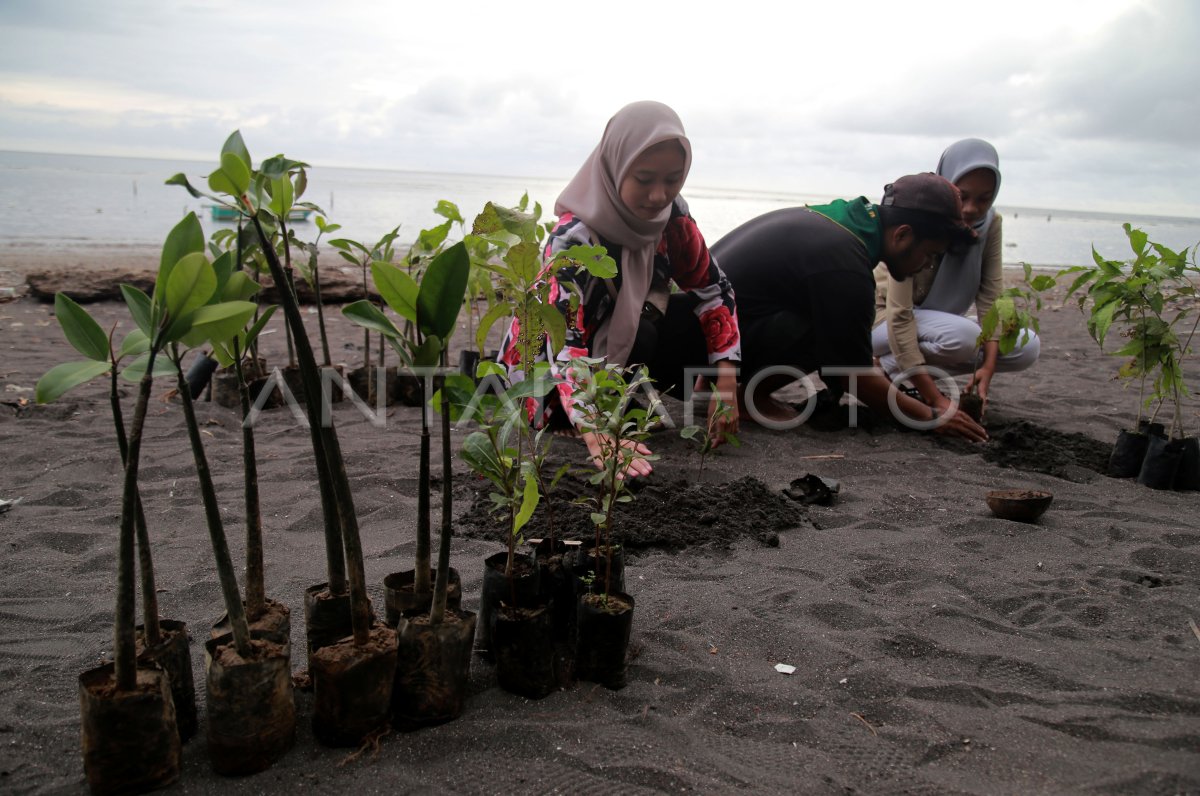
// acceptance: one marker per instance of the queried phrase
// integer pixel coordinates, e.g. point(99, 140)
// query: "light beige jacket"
point(894, 301)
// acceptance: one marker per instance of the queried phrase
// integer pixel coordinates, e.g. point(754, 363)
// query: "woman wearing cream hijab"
point(920, 320)
point(625, 197)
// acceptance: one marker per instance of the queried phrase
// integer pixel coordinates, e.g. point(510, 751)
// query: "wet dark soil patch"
point(669, 512)
point(1027, 446)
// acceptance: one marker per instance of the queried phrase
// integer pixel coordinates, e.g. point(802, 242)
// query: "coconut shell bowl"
point(1021, 505)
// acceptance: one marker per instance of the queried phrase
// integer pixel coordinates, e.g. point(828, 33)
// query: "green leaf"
point(281, 196)
point(81, 329)
point(1042, 282)
point(236, 146)
point(187, 237)
point(163, 366)
point(525, 260)
point(442, 290)
point(219, 322)
point(277, 166)
point(596, 517)
point(493, 219)
point(140, 309)
point(182, 180)
point(239, 287)
point(191, 284)
point(1137, 239)
point(496, 312)
point(136, 342)
point(1101, 320)
point(256, 329)
point(398, 289)
point(556, 324)
point(222, 269)
point(430, 239)
point(594, 259)
point(487, 368)
point(61, 378)
point(429, 353)
point(480, 455)
point(237, 171)
point(689, 432)
point(529, 502)
point(448, 210)
point(368, 316)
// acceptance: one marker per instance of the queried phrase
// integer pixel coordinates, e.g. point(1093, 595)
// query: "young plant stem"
point(612, 502)
point(287, 331)
point(256, 597)
point(335, 561)
point(447, 474)
point(441, 586)
point(238, 266)
point(421, 584)
point(124, 646)
point(1183, 349)
point(287, 285)
point(212, 513)
point(512, 549)
point(1142, 387)
point(367, 332)
point(316, 281)
point(336, 500)
point(150, 626)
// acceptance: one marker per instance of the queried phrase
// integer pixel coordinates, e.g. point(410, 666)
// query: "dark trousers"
point(784, 338)
point(669, 344)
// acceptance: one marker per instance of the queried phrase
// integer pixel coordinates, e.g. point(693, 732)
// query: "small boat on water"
point(222, 213)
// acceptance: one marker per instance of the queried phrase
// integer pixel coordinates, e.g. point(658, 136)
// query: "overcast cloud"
point(1091, 106)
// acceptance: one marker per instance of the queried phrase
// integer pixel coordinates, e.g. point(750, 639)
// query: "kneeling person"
point(806, 293)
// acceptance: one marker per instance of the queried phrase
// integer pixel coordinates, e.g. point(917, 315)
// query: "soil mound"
point(672, 513)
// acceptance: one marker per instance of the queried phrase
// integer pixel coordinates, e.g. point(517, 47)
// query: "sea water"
point(75, 200)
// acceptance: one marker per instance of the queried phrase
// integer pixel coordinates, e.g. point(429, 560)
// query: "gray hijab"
point(594, 196)
point(958, 277)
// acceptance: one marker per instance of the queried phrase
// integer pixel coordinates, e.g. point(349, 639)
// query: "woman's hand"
point(600, 448)
point(981, 381)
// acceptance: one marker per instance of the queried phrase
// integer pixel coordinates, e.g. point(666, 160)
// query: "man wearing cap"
point(806, 293)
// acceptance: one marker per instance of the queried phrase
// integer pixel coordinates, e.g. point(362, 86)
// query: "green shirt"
point(858, 217)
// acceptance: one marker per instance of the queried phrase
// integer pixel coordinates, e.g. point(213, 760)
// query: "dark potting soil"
point(1027, 446)
point(1019, 444)
point(672, 513)
point(227, 654)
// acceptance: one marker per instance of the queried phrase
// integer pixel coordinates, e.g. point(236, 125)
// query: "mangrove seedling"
point(1012, 317)
point(1150, 297)
point(604, 396)
point(707, 437)
point(432, 307)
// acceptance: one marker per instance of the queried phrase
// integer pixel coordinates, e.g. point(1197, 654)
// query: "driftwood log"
point(337, 287)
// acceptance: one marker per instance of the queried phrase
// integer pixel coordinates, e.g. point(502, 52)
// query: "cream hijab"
point(959, 275)
point(594, 197)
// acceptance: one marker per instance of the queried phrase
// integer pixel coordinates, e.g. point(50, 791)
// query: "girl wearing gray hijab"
point(920, 320)
point(625, 197)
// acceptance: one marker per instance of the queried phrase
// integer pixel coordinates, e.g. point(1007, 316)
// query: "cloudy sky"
point(1091, 105)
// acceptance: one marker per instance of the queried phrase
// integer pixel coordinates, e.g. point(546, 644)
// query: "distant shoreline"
point(183, 162)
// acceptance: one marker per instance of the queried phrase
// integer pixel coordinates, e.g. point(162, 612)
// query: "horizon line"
point(740, 188)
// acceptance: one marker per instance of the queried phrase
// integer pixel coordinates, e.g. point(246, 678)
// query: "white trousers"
point(947, 341)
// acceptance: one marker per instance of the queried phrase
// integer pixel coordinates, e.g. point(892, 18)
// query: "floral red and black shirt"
point(682, 259)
